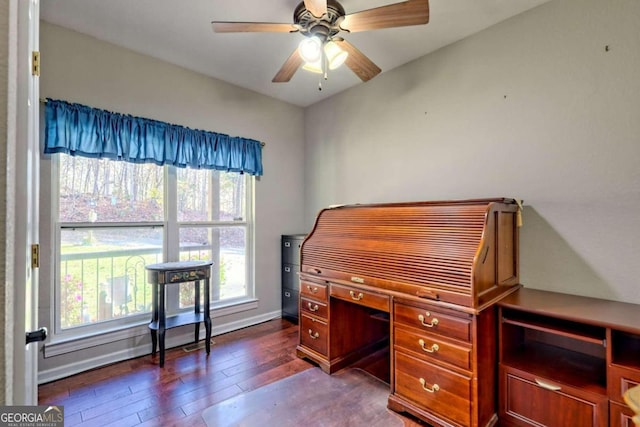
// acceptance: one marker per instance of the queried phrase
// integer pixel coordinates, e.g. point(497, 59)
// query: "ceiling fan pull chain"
point(326, 65)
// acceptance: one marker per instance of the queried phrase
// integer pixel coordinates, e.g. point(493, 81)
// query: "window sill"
point(64, 344)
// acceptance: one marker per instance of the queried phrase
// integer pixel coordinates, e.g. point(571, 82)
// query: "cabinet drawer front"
point(315, 290)
point(291, 250)
point(290, 276)
point(289, 303)
point(524, 401)
point(620, 416)
point(428, 347)
point(621, 380)
point(436, 389)
point(313, 334)
point(358, 296)
point(314, 307)
point(433, 321)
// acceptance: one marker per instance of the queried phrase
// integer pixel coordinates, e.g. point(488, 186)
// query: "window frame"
point(97, 333)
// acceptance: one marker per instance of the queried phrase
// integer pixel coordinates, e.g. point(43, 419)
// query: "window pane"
point(101, 190)
point(226, 247)
point(205, 195)
point(102, 273)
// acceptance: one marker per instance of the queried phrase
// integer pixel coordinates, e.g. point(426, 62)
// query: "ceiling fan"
point(321, 22)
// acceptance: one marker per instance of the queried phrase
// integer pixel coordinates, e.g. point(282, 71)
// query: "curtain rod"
point(44, 101)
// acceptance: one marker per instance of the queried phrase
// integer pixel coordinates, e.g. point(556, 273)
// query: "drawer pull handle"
point(355, 297)
point(312, 289)
point(433, 322)
point(547, 385)
point(314, 335)
point(433, 388)
point(312, 307)
point(432, 349)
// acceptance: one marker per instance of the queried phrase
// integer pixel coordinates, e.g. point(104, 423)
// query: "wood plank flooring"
point(139, 393)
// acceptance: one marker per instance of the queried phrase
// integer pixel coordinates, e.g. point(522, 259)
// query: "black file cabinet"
point(290, 246)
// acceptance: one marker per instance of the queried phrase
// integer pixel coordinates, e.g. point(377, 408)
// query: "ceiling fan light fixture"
point(310, 49)
point(335, 55)
point(314, 67)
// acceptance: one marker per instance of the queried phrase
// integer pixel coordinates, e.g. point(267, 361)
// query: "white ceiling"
point(180, 32)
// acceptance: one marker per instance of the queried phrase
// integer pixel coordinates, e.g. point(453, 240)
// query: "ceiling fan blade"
point(410, 12)
point(316, 7)
point(289, 68)
point(357, 61)
point(252, 27)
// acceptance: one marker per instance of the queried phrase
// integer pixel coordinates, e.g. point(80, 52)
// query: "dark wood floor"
point(138, 393)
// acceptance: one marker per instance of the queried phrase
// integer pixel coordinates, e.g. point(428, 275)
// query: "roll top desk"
point(422, 280)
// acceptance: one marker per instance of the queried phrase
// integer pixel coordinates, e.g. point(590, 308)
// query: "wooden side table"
point(168, 273)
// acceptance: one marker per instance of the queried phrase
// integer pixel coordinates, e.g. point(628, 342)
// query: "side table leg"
point(154, 342)
point(197, 309)
point(154, 317)
point(207, 316)
point(207, 328)
point(161, 323)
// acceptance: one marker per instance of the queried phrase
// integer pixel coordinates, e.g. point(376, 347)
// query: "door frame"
point(23, 177)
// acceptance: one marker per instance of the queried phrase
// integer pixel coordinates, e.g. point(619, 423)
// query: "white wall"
point(534, 108)
point(78, 68)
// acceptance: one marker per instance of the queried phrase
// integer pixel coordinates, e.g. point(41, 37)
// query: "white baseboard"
point(81, 365)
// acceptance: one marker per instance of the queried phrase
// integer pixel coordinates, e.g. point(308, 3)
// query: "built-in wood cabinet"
point(566, 360)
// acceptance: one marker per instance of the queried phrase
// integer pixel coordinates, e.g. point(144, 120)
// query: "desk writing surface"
point(613, 314)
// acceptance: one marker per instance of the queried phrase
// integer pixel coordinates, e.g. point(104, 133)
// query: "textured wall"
point(536, 108)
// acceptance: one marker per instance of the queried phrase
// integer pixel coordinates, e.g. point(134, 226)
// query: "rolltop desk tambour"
point(420, 279)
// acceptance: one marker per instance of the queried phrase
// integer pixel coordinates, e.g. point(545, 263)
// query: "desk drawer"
point(439, 390)
point(522, 396)
point(313, 334)
point(620, 415)
point(313, 307)
point(315, 290)
point(435, 322)
point(620, 380)
point(428, 347)
point(361, 297)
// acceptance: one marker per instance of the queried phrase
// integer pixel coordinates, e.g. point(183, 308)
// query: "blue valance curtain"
point(79, 130)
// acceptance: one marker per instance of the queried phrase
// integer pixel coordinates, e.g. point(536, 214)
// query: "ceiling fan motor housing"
point(324, 27)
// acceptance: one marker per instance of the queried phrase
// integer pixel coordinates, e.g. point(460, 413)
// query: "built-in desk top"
point(612, 314)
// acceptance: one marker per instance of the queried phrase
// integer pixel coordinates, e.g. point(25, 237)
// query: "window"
point(114, 218)
point(212, 220)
